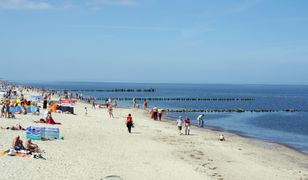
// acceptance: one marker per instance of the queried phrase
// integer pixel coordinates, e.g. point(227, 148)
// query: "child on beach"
point(222, 137)
point(110, 110)
point(85, 110)
point(129, 122)
point(180, 124)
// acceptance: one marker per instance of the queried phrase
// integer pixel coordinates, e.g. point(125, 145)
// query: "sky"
point(168, 41)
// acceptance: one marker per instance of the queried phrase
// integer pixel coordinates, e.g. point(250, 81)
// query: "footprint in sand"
point(112, 177)
point(212, 168)
point(215, 174)
point(205, 164)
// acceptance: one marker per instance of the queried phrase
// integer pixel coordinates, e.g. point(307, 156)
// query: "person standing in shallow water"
point(160, 114)
point(134, 103)
point(129, 122)
point(155, 113)
point(200, 119)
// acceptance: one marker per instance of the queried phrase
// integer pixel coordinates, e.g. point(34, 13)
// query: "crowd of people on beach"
point(157, 114)
point(13, 101)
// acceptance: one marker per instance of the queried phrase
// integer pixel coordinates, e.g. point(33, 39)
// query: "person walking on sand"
point(200, 119)
point(129, 123)
point(187, 126)
point(180, 124)
point(93, 104)
point(110, 110)
point(145, 104)
point(160, 114)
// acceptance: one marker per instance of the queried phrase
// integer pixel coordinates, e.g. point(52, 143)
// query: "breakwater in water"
point(177, 99)
point(231, 110)
point(110, 90)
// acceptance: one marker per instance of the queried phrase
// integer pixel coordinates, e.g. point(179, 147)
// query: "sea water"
point(290, 128)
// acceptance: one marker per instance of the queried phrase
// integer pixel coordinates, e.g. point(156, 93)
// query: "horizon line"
point(133, 82)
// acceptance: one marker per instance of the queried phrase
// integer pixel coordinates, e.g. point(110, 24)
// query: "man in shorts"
point(180, 124)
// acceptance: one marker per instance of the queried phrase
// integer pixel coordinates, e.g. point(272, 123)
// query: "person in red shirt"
point(129, 122)
point(187, 126)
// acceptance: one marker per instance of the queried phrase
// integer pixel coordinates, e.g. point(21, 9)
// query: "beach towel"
point(68, 102)
point(66, 109)
point(3, 153)
point(51, 121)
point(19, 154)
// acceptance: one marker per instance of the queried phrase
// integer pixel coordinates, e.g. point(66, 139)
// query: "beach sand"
point(96, 146)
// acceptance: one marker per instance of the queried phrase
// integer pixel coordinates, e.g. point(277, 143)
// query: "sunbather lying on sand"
point(48, 121)
point(41, 121)
point(17, 127)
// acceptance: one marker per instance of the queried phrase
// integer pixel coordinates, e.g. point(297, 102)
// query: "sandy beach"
point(96, 146)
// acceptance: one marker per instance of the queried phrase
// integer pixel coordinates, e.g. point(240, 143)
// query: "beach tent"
point(37, 133)
point(15, 109)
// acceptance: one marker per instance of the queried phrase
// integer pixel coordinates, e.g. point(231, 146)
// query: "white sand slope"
point(96, 146)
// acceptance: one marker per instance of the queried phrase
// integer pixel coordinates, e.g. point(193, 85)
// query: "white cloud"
point(113, 2)
point(64, 4)
point(24, 4)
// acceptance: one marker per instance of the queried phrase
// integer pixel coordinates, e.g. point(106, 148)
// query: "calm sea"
point(290, 128)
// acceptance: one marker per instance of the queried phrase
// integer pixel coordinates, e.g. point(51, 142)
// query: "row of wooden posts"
point(181, 99)
point(229, 110)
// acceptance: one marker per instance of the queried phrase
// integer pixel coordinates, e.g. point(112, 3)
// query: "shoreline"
point(240, 134)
